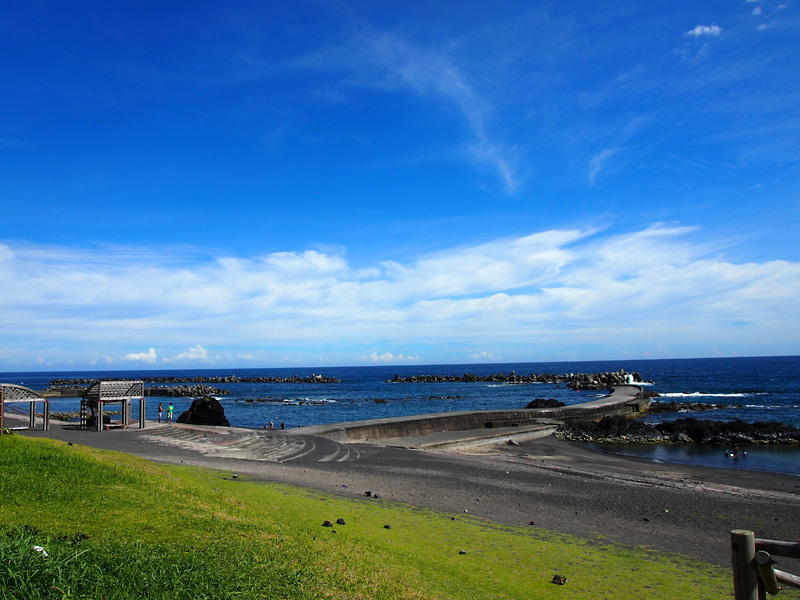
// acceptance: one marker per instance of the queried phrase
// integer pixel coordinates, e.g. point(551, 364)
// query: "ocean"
point(755, 389)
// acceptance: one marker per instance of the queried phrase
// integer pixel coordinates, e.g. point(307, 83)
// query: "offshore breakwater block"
point(205, 411)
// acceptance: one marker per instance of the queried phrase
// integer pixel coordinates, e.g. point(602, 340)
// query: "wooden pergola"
point(11, 393)
point(103, 393)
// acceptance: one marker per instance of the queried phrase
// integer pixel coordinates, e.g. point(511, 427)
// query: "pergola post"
point(32, 421)
point(99, 420)
point(142, 405)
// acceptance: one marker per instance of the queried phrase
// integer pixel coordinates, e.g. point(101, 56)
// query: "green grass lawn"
point(110, 525)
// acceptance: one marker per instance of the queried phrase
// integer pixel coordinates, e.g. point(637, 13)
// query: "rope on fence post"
point(745, 577)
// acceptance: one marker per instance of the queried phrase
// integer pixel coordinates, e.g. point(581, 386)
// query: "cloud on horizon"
point(552, 289)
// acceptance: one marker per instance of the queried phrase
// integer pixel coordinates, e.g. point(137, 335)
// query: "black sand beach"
point(550, 483)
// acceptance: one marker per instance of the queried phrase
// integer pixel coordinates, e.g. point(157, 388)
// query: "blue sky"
point(199, 184)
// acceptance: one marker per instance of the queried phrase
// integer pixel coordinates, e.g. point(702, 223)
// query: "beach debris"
point(327, 523)
point(559, 579)
point(340, 521)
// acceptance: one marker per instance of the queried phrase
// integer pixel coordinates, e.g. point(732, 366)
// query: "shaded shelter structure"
point(101, 394)
point(11, 393)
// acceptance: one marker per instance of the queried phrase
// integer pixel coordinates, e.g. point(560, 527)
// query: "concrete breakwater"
point(577, 381)
point(208, 379)
point(624, 400)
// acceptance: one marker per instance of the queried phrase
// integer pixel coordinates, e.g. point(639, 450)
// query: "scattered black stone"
point(387, 526)
point(340, 521)
point(327, 524)
point(700, 431)
point(545, 403)
point(462, 551)
point(205, 411)
point(368, 494)
point(559, 579)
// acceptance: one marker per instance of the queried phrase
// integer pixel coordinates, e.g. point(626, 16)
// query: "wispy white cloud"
point(704, 31)
point(484, 356)
point(387, 357)
point(555, 289)
point(390, 62)
point(149, 357)
point(194, 354)
point(598, 162)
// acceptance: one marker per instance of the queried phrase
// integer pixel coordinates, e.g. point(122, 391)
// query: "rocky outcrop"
point(581, 381)
point(672, 407)
point(621, 429)
point(545, 403)
point(205, 411)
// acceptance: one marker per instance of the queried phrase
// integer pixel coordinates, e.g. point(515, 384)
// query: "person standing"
point(160, 410)
point(170, 410)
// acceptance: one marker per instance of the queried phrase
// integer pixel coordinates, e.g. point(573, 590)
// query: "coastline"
point(556, 485)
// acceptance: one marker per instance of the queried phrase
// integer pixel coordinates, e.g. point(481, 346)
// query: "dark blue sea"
point(756, 389)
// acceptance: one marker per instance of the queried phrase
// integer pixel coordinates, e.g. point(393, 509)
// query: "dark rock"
point(327, 524)
point(690, 430)
point(205, 411)
point(545, 403)
point(387, 526)
point(559, 579)
point(340, 521)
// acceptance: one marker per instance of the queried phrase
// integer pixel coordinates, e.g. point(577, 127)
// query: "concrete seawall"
point(623, 400)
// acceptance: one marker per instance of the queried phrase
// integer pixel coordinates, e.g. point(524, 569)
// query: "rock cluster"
point(184, 391)
point(212, 379)
point(671, 407)
point(619, 429)
point(583, 381)
point(205, 411)
point(545, 403)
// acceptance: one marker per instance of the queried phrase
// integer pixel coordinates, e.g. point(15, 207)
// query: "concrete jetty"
point(466, 428)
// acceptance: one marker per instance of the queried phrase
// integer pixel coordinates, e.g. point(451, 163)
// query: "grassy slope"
point(116, 526)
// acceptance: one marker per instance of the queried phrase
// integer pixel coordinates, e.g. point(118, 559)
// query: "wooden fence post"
point(745, 575)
